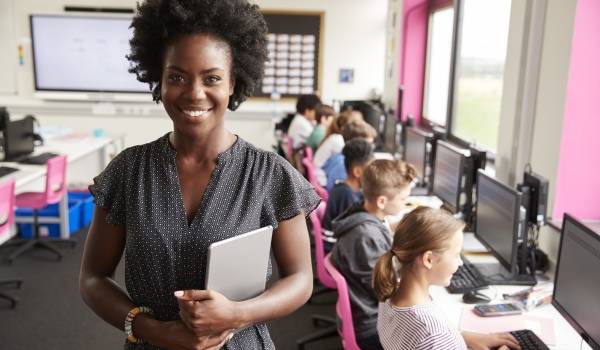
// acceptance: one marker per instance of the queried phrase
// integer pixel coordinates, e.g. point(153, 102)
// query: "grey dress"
point(249, 188)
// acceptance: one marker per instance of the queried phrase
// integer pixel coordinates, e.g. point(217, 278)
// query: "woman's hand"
point(477, 341)
point(176, 336)
point(205, 312)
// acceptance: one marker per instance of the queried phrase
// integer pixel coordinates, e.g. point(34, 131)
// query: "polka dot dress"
point(250, 188)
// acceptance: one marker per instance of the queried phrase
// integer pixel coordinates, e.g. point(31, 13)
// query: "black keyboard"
point(528, 340)
point(38, 159)
point(466, 279)
point(4, 170)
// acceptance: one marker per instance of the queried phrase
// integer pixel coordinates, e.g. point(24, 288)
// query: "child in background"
point(357, 153)
point(363, 235)
point(301, 126)
point(333, 142)
point(425, 252)
point(324, 115)
point(334, 167)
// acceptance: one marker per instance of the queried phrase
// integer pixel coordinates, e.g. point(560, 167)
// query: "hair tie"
point(396, 264)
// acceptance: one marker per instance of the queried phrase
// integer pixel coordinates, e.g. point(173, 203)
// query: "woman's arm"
point(103, 250)
point(207, 312)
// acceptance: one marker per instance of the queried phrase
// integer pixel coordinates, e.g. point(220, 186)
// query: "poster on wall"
point(295, 54)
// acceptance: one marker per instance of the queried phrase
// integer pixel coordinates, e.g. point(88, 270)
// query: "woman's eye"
point(213, 79)
point(175, 77)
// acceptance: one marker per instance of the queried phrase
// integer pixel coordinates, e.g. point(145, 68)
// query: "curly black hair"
point(357, 151)
point(235, 22)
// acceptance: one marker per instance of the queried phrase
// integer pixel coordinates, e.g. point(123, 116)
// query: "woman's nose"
point(197, 92)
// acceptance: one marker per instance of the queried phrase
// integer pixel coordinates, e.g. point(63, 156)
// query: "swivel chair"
point(7, 203)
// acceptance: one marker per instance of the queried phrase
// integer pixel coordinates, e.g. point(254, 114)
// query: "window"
point(437, 73)
point(480, 71)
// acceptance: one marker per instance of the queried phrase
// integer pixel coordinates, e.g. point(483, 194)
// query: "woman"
point(166, 201)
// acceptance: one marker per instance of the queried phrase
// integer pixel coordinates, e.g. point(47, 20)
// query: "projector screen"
point(83, 54)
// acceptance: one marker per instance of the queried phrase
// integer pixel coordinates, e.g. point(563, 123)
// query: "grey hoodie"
point(361, 239)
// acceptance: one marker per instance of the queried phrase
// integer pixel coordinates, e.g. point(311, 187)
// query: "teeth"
point(195, 113)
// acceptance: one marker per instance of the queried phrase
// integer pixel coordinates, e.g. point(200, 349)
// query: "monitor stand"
point(497, 274)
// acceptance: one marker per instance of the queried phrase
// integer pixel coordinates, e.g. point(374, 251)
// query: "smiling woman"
point(165, 202)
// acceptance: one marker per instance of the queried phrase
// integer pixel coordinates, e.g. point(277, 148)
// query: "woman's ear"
point(231, 85)
point(427, 259)
point(381, 201)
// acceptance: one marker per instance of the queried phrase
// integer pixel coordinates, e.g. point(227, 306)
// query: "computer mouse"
point(474, 297)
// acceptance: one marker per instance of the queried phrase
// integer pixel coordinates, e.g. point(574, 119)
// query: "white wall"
point(355, 36)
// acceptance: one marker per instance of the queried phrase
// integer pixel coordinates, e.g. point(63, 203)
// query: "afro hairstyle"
point(357, 151)
point(235, 22)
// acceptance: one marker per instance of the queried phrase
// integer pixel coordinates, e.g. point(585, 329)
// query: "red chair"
point(342, 307)
point(7, 205)
point(55, 191)
point(312, 179)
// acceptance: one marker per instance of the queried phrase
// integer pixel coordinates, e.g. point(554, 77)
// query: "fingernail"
point(230, 336)
point(179, 293)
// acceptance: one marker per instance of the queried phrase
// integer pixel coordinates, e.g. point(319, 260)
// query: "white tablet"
point(237, 266)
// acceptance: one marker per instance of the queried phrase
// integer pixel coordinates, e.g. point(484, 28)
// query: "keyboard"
point(466, 279)
point(4, 170)
point(38, 159)
point(528, 340)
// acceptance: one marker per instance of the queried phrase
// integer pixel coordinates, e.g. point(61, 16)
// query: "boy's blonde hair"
point(384, 177)
point(358, 128)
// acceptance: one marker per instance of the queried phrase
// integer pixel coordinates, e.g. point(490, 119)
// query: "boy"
point(357, 153)
point(301, 126)
point(324, 115)
point(363, 236)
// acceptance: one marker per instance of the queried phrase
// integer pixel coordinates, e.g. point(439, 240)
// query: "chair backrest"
point(308, 153)
point(342, 307)
point(324, 277)
point(289, 145)
point(56, 178)
point(312, 179)
point(7, 205)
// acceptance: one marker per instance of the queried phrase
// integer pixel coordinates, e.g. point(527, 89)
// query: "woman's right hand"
point(174, 335)
point(503, 341)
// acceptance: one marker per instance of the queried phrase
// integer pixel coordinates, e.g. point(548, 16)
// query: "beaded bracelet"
point(128, 329)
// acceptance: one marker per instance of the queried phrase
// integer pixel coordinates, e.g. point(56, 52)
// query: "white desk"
point(85, 159)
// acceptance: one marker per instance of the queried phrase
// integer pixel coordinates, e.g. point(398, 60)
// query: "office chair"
point(55, 190)
point(7, 204)
point(312, 179)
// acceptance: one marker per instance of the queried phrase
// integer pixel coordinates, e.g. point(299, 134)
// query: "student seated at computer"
point(425, 252)
point(333, 141)
point(324, 116)
point(334, 168)
point(357, 153)
point(301, 126)
point(363, 235)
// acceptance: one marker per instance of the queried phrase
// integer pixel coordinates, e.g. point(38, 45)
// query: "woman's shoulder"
point(271, 160)
point(153, 148)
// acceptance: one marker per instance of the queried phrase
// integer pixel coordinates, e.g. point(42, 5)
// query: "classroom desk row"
point(452, 305)
point(86, 158)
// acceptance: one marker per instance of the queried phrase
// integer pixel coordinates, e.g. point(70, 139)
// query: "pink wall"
point(412, 56)
point(578, 181)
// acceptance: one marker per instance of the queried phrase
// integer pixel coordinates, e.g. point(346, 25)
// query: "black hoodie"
point(361, 239)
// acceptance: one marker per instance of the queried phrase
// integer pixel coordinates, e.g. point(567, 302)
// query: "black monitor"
point(391, 133)
point(374, 116)
point(501, 226)
point(18, 138)
point(449, 170)
point(576, 282)
point(415, 151)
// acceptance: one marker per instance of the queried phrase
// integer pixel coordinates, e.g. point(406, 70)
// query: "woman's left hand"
point(205, 312)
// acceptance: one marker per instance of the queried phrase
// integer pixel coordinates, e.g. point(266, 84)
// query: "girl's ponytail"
point(385, 277)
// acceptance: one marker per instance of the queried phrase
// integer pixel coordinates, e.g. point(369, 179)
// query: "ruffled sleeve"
point(288, 195)
point(109, 190)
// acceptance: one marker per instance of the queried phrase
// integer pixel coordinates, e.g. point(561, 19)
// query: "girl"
point(425, 252)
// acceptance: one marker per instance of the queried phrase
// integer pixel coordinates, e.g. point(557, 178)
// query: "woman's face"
point(196, 83)
point(448, 262)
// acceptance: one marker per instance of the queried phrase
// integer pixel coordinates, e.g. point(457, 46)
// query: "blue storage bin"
point(87, 206)
point(52, 230)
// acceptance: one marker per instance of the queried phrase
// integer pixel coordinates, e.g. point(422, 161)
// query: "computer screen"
point(415, 150)
point(373, 115)
point(18, 138)
point(83, 53)
point(497, 219)
point(449, 165)
point(391, 132)
point(576, 282)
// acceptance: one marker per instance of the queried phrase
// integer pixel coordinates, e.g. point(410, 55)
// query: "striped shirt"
point(417, 327)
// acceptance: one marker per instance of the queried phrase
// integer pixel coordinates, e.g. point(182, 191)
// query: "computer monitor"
point(374, 116)
point(576, 282)
point(501, 226)
point(18, 138)
point(449, 170)
point(415, 151)
point(391, 133)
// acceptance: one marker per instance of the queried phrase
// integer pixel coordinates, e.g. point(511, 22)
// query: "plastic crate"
point(50, 230)
point(87, 206)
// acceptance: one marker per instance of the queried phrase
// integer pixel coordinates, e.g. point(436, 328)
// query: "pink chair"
point(308, 153)
point(312, 179)
point(289, 146)
point(342, 307)
point(55, 191)
point(7, 213)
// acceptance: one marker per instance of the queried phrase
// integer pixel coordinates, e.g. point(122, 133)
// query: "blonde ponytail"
point(385, 277)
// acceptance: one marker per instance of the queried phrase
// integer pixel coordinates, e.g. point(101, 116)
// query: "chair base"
point(13, 300)
point(27, 244)
point(318, 335)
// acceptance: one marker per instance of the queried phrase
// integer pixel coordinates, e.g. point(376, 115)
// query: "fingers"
point(223, 338)
point(511, 341)
point(192, 294)
point(504, 347)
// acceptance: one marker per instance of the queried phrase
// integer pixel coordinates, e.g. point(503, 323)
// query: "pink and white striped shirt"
point(422, 326)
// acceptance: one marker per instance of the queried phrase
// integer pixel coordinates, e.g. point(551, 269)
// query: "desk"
point(85, 159)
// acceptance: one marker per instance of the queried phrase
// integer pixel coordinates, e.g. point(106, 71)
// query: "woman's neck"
point(202, 148)
point(413, 290)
